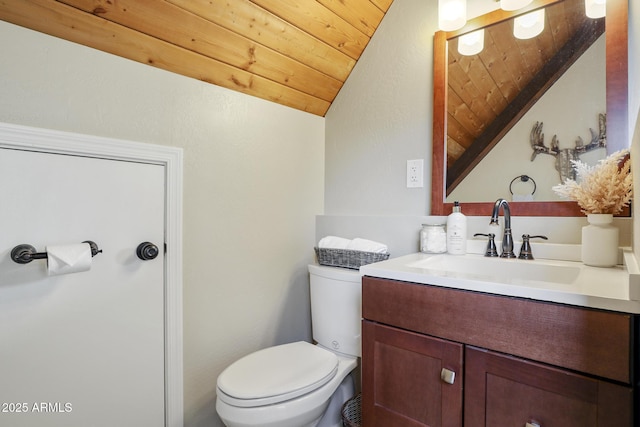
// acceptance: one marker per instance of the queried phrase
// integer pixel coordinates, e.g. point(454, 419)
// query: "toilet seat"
point(276, 374)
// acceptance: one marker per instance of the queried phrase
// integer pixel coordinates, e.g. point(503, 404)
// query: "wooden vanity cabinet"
point(517, 362)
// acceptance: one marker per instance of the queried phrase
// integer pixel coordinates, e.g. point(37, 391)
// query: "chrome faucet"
point(507, 238)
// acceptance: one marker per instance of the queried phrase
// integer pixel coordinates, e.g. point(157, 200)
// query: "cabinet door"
point(511, 392)
point(402, 381)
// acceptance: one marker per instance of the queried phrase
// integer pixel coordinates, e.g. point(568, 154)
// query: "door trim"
point(58, 142)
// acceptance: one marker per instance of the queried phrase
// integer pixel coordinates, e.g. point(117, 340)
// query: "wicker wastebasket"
point(351, 412)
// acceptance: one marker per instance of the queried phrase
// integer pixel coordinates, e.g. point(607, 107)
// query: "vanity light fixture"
point(595, 8)
point(452, 14)
point(471, 43)
point(513, 4)
point(529, 25)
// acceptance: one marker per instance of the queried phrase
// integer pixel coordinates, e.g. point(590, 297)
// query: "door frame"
point(58, 142)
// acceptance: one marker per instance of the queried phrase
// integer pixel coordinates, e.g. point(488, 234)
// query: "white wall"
point(248, 226)
point(634, 64)
point(382, 118)
point(634, 113)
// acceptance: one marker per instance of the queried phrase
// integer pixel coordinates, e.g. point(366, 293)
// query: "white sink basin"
point(500, 270)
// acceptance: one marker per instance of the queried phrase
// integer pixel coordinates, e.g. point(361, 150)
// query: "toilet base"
point(332, 416)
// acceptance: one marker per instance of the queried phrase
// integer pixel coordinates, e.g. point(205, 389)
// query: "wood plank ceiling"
point(297, 53)
point(489, 92)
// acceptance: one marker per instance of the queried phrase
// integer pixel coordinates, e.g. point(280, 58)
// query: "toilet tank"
point(336, 308)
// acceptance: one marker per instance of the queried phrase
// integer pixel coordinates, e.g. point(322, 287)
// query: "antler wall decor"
point(565, 155)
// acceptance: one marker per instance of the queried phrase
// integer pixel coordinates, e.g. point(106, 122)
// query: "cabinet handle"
point(448, 376)
point(532, 424)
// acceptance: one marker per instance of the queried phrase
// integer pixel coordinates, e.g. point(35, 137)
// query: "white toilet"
point(301, 384)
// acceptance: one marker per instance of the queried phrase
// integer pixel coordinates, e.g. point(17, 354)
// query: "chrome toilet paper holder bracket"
point(24, 254)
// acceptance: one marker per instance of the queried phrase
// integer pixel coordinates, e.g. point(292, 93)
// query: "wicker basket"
point(347, 258)
point(351, 412)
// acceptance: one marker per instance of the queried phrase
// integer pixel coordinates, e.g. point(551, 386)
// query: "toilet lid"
point(277, 374)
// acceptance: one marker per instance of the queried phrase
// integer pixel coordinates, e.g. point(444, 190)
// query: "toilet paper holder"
point(24, 254)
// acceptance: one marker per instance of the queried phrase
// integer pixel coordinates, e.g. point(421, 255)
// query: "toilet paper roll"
point(65, 259)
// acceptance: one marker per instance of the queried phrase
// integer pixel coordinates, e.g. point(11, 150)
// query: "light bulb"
point(471, 43)
point(452, 14)
point(529, 25)
point(595, 8)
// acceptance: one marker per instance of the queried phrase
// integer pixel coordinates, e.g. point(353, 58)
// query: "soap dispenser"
point(456, 231)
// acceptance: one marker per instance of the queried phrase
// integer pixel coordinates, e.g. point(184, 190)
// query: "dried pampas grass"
point(605, 188)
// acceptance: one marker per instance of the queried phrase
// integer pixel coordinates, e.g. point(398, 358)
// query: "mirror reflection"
point(524, 106)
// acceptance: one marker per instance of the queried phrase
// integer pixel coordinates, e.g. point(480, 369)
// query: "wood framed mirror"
point(617, 128)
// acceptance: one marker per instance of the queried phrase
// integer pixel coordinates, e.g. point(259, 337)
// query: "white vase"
point(600, 241)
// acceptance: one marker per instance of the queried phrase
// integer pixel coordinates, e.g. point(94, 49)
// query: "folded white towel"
point(333, 242)
point(365, 245)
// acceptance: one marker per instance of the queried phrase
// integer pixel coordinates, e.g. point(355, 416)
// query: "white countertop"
point(616, 288)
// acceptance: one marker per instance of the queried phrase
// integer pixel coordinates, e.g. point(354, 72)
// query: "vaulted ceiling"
point(297, 53)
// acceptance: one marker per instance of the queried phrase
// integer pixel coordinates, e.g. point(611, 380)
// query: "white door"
point(83, 349)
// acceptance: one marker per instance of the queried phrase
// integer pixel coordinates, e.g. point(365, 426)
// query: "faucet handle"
point(525, 250)
point(491, 251)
